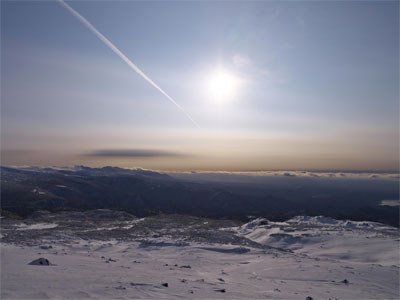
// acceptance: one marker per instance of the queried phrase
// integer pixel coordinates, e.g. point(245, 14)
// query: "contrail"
point(122, 56)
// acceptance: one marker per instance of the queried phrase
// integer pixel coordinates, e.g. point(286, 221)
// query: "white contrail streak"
point(122, 56)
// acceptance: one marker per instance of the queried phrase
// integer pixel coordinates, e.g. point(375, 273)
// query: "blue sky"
point(316, 84)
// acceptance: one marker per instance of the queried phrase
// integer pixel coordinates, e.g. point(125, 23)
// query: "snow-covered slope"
point(322, 237)
point(186, 257)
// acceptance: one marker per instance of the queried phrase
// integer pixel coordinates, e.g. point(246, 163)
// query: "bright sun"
point(222, 86)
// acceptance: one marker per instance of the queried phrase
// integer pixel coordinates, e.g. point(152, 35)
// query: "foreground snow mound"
point(320, 236)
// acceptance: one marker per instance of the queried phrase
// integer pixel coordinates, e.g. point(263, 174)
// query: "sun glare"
point(222, 86)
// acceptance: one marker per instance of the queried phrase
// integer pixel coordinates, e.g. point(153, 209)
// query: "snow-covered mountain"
point(107, 254)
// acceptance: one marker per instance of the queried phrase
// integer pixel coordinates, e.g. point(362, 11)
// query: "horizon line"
point(213, 171)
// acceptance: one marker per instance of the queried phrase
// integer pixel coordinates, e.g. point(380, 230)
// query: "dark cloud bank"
point(140, 153)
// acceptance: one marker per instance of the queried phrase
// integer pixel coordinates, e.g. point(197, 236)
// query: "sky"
point(271, 85)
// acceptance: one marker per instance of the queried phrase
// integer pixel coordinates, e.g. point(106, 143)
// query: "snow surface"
point(37, 226)
point(305, 256)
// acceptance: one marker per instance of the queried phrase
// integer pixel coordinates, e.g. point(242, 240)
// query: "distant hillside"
point(142, 193)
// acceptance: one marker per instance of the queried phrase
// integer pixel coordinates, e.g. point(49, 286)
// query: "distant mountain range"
point(142, 193)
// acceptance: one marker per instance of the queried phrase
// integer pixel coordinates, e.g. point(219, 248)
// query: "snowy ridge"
point(321, 236)
point(321, 220)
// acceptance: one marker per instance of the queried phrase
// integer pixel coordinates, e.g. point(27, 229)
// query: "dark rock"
point(345, 281)
point(120, 287)
point(165, 284)
point(221, 290)
point(46, 247)
point(186, 266)
point(40, 262)
point(309, 298)
point(139, 284)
